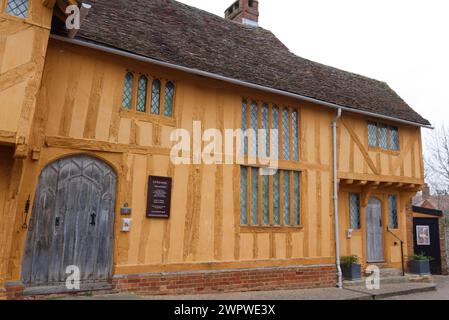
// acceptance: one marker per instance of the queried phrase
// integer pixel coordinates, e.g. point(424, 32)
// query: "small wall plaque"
point(159, 197)
point(125, 210)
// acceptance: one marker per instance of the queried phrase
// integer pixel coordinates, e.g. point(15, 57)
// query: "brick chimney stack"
point(244, 11)
point(425, 192)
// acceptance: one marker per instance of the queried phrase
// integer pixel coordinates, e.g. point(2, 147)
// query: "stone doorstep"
point(408, 278)
point(85, 288)
point(392, 290)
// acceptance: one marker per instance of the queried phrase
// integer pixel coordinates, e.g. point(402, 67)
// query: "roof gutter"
point(230, 80)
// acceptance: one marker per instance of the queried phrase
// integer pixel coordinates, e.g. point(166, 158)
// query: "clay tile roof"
point(183, 35)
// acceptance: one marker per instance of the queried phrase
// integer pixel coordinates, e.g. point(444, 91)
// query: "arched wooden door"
point(374, 237)
point(72, 222)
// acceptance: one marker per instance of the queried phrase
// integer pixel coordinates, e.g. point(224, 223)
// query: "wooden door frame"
point(115, 160)
point(381, 199)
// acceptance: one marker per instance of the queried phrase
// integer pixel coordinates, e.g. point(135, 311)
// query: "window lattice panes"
point(277, 198)
point(275, 126)
point(286, 196)
point(243, 195)
point(296, 197)
point(354, 210)
point(128, 91)
point(244, 126)
point(372, 134)
point(285, 134)
point(383, 136)
point(295, 135)
point(142, 94)
point(18, 8)
point(254, 124)
point(393, 212)
point(265, 200)
point(266, 135)
point(256, 200)
point(168, 100)
point(156, 97)
point(394, 138)
point(254, 196)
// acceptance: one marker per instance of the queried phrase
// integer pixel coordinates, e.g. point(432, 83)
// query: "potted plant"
point(351, 268)
point(419, 264)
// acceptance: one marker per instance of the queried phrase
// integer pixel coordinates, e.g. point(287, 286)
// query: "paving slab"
point(386, 291)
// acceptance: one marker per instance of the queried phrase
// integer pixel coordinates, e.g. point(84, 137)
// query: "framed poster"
point(159, 197)
point(423, 235)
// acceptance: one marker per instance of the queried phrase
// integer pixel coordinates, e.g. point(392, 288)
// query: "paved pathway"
point(442, 292)
point(356, 293)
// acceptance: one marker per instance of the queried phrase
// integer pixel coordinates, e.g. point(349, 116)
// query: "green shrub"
point(348, 260)
point(420, 257)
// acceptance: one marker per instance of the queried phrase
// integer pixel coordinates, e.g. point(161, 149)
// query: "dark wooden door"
point(428, 242)
point(374, 241)
point(72, 222)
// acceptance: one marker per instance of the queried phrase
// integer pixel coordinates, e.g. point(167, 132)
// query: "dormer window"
point(17, 8)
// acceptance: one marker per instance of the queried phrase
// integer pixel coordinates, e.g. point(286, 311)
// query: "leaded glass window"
point(128, 91)
point(372, 134)
point(244, 126)
point(168, 100)
point(275, 126)
point(265, 134)
point(296, 197)
point(243, 195)
point(277, 198)
point(18, 8)
point(354, 210)
point(285, 134)
point(254, 125)
point(270, 200)
point(142, 94)
point(286, 196)
point(383, 136)
point(156, 97)
point(393, 212)
point(394, 138)
point(295, 135)
point(265, 200)
point(254, 196)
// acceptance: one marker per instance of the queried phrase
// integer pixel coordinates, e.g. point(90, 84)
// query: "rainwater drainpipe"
point(337, 233)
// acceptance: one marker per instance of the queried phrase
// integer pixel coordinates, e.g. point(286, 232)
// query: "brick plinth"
point(14, 290)
point(298, 277)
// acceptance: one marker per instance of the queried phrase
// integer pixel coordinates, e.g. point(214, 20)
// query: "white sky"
point(402, 42)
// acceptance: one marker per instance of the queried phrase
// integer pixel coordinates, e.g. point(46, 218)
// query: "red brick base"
point(297, 277)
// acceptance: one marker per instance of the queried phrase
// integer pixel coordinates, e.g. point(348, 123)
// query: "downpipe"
point(335, 197)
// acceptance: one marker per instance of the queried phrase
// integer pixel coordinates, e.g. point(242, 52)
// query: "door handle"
point(92, 219)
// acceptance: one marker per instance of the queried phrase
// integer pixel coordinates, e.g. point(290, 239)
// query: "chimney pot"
point(244, 11)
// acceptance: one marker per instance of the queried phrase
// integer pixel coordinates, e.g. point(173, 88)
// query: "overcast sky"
point(402, 42)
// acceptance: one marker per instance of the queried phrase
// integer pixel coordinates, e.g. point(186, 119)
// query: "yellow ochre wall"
point(23, 44)
point(79, 110)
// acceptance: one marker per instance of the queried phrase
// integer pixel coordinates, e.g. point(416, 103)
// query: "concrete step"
point(383, 280)
point(393, 289)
